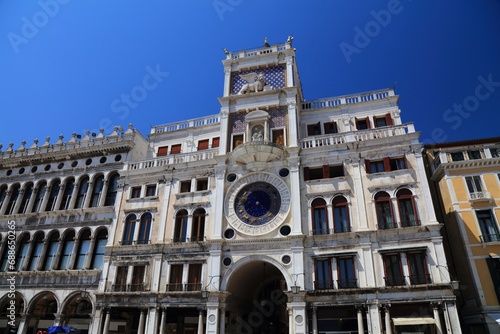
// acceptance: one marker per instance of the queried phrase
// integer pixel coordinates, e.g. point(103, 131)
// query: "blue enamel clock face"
point(257, 203)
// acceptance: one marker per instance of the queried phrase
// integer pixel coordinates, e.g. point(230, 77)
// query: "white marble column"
point(142, 321)
point(222, 320)
point(163, 321)
point(314, 321)
point(439, 326)
point(200, 322)
point(361, 325)
point(388, 327)
point(107, 320)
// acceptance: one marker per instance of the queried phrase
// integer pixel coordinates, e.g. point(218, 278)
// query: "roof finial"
point(266, 43)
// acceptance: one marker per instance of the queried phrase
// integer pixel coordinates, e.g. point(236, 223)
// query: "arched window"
point(54, 191)
point(340, 215)
point(36, 252)
point(67, 250)
point(96, 191)
point(13, 199)
point(83, 249)
point(319, 217)
point(50, 255)
point(5, 257)
point(40, 193)
point(198, 228)
point(98, 255)
point(68, 192)
point(28, 190)
point(22, 251)
point(83, 187)
point(407, 208)
point(128, 232)
point(112, 190)
point(3, 194)
point(180, 231)
point(383, 206)
point(144, 228)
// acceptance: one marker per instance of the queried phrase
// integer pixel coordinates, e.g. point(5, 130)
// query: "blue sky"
point(66, 64)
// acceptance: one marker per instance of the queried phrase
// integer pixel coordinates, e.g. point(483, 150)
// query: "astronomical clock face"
point(257, 203)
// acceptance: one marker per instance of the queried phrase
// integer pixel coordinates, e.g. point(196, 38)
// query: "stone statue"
point(257, 136)
point(256, 83)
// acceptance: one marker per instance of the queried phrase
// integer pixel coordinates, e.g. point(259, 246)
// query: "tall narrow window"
point(121, 278)
point(384, 211)
point(417, 266)
point(185, 186)
point(313, 129)
point(319, 217)
point(151, 190)
point(68, 191)
point(215, 142)
point(83, 187)
point(83, 250)
point(340, 215)
point(98, 253)
point(4, 260)
point(28, 191)
point(36, 252)
point(278, 137)
point(144, 228)
point(40, 194)
point(362, 123)
point(346, 273)
point(3, 194)
point(180, 226)
point(13, 199)
point(54, 191)
point(488, 226)
point(407, 209)
point(198, 228)
point(474, 184)
point(97, 191)
point(323, 271)
point(112, 190)
point(138, 278)
point(194, 277)
point(237, 141)
point(175, 281)
point(176, 149)
point(494, 267)
point(128, 232)
point(50, 255)
point(67, 250)
point(393, 270)
point(22, 252)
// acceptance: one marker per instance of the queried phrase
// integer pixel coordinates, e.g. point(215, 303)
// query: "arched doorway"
point(42, 312)
point(256, 302)
point(77, 312)
point(11, 310)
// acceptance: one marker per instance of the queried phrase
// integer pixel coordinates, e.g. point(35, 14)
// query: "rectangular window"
point(315, 173)
point(393, 270)
point(278, 137)
point(473, 184)
point(474, 154)
point(175, 281)
point(151, 190)
point(176, 149)
point(380, 122)
point(488, 226)
point(457, 156)
point(162, 151)
point(138, 278)
point(215, 142)
point(417, 267)
point(362, 123)
point(185, 186)
point(330, 127)
point(121, 278)
point(237, 141)
point(313, 129)
point(66, 254)
point(336, 171)
point(397, 163)
point(201, 184)
point(194, 277)
point(495, 152)
point(376, 166)
point(135, 192)
point(346, 273)
point(320, 222)
point(203, 144)
point(323, 271)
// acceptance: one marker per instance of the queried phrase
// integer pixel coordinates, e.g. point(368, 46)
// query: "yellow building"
point(466, 178)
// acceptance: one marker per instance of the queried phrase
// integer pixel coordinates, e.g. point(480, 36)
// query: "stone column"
point(200, 322)
point(189, 226)
point(222, 320)
point(32, 199)
point(6, 201)
point(395, 210)
point(331, 223)
point(96, 321)
point(361, 324)
point(451, 310)
point(142, 319)
point(72, 259)
point(74, 194)
point(107, 320)
point(59, 197)
point(163, 213)
point(27, 259)
point(314, 320)
point(22, 327)
point(58, 254)
point(152, 321)
point(357, 178)
point(88, 196)
point(18, 201)
point(439, 326)
point(163, 321)
point(292, 117)
point(43, 253)
point(48, 190)
point(90, 254)
point(291, 329)
point(374, 325)
point(293, 164)
point(388, 327)
point(104, 190)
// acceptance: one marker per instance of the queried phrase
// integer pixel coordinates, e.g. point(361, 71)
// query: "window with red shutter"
point(176, 149)
point(215, 142)
point(203, 144)
point(162, 151)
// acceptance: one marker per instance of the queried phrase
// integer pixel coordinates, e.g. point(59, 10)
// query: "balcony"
point(410, 223)
point(341, 284)
point(490, 238)
point(387, 225)
point(139, 287)
point(403, 280)
point(192, 123)
point(348, 99)
point(420, 279)
point(322, 231)
point(181, 287)
point(173, 159)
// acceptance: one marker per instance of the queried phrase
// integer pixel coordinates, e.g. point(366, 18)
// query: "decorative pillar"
point(314, 320)
point(48, 190)
point(104, 190)
point(437, 318)
point(6, 201)
point(58, 254)
point(73, 195)
point(222, 320)
point(295, 205)
point(163, 215)
point(291, 329)
point(200, 322)
point(329, 213)
point(22, 327)
point(105, 330)
point(18, 201)
point(451, 310)
point(59, 197)
point(142, 319)
point(152, 320)
point(163, 321)
point(388, 327)
point(90, 254)
point(189, 226)
point(374, 326)
point(361, 324)
point(88, 195)
point(41, 259)
point(27, 259)
point(357, 178)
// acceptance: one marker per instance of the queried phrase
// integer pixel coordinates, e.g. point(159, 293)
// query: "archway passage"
point(256, 301)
